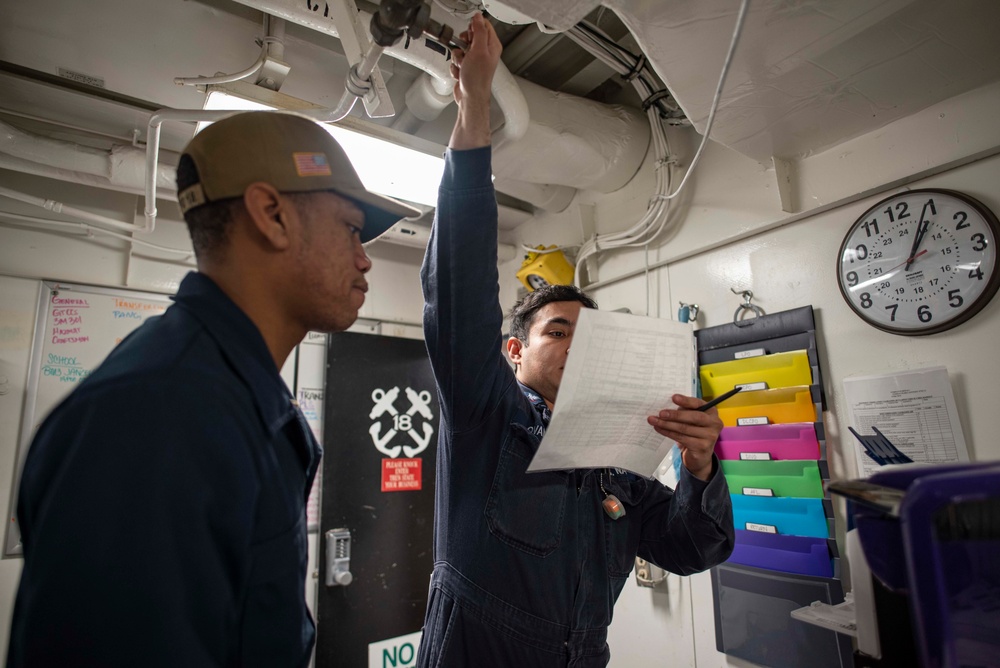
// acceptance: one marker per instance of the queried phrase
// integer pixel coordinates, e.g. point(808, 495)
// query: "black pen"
point(719, 399)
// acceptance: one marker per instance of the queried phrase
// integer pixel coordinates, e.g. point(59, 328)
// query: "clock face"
point(920, 262)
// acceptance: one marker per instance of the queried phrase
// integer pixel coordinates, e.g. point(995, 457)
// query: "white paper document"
point(914, 409)
point(621, 368)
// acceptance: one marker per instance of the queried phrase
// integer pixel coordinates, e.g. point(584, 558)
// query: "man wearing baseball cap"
point(162, 504)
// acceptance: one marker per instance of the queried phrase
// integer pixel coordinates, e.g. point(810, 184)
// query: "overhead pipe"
point(505, 90)
point(58, 207)
point(355, 88)
point(574, 142)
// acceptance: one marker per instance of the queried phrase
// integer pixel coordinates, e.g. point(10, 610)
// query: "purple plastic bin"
point(953, 582)
point(789, 554)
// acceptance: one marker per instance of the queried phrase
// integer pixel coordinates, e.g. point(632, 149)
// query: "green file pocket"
point(788, 478)
point(762, 372)
point(788, 404)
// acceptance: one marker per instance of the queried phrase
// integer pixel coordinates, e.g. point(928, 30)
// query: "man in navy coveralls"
point(528, 565)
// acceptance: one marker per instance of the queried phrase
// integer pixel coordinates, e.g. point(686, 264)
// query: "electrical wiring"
point(659, 108)
point(265, 42)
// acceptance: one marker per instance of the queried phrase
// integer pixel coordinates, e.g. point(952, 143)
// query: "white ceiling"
point(808, 74)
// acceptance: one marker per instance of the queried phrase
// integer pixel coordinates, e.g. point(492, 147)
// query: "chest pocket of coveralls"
point(621, 537)
point(526, 510)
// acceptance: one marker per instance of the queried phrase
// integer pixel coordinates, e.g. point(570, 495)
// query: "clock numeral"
point(976, 273)
point(887, 241)
point(876, 255)
point(946, 250)
point(930, 204)
point(980, 240)
point(852, 279)
point(905, 232)
point(870, 226)
point(961, 217)
point(877, 271)
point(861, 252)
point(937, 237)
point(946, 268)
point(884, 285)
point(866, 300)
point(902, 211)
point(900, 291)
point(933, 282)
point(919, 289)
point(924, 313)
point(955, 299)
point(892, 308)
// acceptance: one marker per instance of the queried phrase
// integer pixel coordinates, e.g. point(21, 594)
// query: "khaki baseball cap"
point(292, 153)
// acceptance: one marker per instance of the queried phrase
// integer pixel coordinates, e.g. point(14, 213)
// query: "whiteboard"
point(76, 326)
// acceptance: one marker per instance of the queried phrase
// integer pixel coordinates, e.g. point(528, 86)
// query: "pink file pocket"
point(769, 442)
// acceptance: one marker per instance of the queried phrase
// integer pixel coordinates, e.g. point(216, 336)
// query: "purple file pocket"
point(769, 442)
point(790, 554)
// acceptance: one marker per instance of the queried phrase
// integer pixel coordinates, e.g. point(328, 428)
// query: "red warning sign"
point(402, 475)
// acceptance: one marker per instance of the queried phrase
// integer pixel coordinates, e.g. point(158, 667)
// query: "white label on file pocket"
point(756, 352)
point(763, 528)
point(751, 421)
point(757, 491)
point(748, 387)
point(755, 456)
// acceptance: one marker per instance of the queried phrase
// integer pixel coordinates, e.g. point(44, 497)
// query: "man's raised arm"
point(462, 316)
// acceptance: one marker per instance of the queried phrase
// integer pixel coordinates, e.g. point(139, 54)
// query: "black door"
point(380, 446)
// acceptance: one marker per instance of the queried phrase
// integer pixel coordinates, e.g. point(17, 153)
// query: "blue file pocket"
point(789, 516)
point(790, 554)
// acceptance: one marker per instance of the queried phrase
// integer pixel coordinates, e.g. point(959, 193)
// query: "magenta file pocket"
point(769, 442)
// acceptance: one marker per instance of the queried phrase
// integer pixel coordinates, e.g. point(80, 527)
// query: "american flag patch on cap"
point(311, 164)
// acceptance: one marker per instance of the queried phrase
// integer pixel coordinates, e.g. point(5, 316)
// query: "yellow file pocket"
point(787, 404)
point(789, 478)
point(763, 372)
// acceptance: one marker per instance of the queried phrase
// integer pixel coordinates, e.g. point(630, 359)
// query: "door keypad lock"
point(338, 558)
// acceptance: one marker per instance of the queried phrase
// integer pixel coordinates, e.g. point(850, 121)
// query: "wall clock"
point(920, 262)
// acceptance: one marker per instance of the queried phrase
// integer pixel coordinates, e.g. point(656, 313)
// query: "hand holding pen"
point(694, 425)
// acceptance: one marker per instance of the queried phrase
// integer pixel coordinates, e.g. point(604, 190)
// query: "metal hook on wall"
point(744, 307)
point(688, 312)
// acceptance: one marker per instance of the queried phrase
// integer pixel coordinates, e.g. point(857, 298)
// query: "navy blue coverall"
point(527, 565)
point(162, 504)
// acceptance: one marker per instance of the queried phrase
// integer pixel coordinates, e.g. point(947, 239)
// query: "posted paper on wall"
point(621, 368)
point(914, 409)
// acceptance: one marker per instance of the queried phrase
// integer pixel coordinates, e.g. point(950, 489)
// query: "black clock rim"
point(978, 305)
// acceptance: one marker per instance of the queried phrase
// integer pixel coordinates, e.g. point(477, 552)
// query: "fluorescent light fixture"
point(384, 167)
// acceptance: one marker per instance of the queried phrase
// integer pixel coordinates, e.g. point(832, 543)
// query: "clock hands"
point(909, 261)
point(918, 237)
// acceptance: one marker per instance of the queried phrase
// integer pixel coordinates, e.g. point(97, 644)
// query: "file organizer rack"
point(773, 454)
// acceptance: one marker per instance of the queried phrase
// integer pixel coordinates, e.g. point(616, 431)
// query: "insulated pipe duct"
point(574, 142)
point(122, 168)
point(58, 207)
point(53, 152)
point(546, 197)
